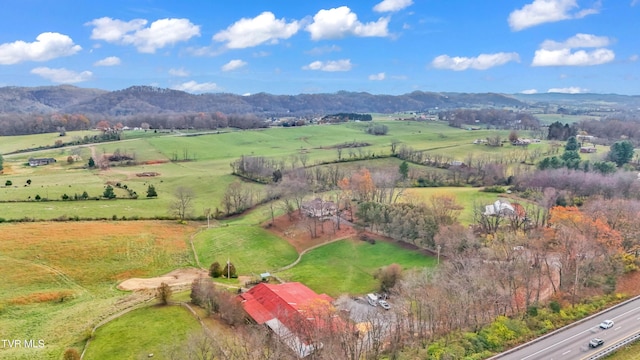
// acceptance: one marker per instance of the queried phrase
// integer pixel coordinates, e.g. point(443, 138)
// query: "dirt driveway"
point(179, 277)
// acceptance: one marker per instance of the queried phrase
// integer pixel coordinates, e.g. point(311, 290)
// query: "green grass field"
point(59, 278)
point(348, 266)
point(135, 335)
point(251, 249)
point(467, 197)
point(207, 172)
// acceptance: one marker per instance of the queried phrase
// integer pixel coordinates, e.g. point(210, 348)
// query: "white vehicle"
point(372, 299)
point(385, 305)
point(606, 324)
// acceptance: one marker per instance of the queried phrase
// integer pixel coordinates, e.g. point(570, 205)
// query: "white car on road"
point(606, 324)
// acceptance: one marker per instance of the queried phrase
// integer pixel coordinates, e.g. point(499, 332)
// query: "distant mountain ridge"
point(138, 100)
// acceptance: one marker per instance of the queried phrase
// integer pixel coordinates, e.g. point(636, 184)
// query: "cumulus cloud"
point(108, 61)
point(340, 22)
point(577, 41)
point(564, 57)
point(233, 65)
point(159, 34)
point(378, 76)
point(181, 72)
point(333, 65)
point(481, 62)
point(392, 5)
point(62, 75)
point(264, 28)
point(529, 91)
point(568, 90)
point(48, 45)
point(553, 53)
point(545, 11)
point(195, 87)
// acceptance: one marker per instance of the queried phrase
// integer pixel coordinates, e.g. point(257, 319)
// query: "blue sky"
point(297, 46)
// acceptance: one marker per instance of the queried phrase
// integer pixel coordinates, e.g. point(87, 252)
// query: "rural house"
point(41, 161)
point(286, 309)
point(318, 208)
point(499, 208)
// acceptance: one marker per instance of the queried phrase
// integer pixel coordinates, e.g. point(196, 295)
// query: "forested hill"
point(150, 100)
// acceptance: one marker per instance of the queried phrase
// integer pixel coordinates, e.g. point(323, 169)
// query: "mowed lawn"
point(251, 249)
point(59, 279)
point(467, 197)
point(348, 266)
point(150, 330)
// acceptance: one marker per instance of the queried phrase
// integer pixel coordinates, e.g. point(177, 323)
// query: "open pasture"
point(151, 330)
point(63, 275)
point(208, 172)
point(21, 142)
point(348, 266)
point(251, 249)
point(546, 119)
point(466, 197)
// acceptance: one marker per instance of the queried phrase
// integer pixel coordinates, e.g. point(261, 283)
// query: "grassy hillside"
point(59, 278)
point(207, 172)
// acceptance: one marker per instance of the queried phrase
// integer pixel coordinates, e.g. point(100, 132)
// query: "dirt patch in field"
point(175, 278)
point(297, 233)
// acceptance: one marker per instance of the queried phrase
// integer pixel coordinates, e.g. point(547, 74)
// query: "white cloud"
point(48, 45)
point(62, 75)
point(635, 2)
point(481, 62)
point(634, 57)
point(392, 5)
point(159, 34)
point(264, 28)
point(108, 61)
point(194, 87)
point(340, 22)
point(564, 57)
point(233, 65)
point(553, 53)
point(529, 91)
point(577, 41)
point(568, 90)
point(378, 76)
point(337, 65)
point(544, 11)
point(181, 72)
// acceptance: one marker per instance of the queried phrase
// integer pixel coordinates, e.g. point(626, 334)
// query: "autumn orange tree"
point(588, 249)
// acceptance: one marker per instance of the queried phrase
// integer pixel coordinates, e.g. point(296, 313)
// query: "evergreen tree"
point(572, 144)
point(404, 170)
point(91, 163)
point(215, 270)
point(151, 191)
point(621, 152)
point(229, 271)
point(108, 192)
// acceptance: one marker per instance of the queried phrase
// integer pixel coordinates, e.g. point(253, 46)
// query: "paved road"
point(571, 343)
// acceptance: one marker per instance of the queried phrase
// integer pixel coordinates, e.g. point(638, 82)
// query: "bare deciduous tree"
point(183, 204)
